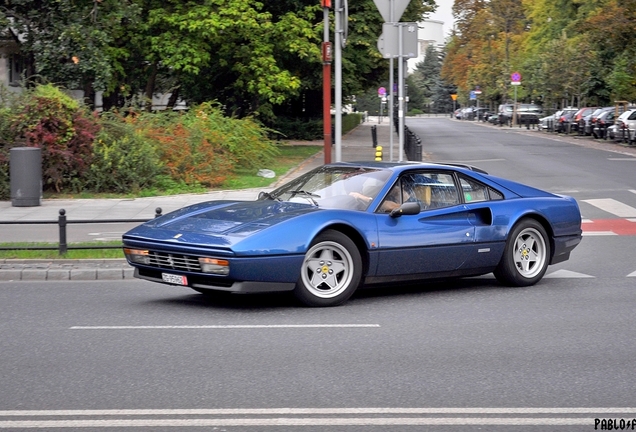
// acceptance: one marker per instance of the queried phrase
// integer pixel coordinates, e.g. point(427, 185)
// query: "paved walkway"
point(357, 145)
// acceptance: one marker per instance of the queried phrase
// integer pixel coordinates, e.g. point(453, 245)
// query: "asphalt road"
point(107, 346)
point(462, 355)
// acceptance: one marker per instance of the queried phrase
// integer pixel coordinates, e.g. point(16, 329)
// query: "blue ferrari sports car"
point(346, 225)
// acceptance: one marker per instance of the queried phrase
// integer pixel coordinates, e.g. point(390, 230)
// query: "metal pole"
point(61, 222)
point(401, 92)
point(338, 81)
point(326, 85)
point(391, 121)
point(514, 110)
point(391, 100)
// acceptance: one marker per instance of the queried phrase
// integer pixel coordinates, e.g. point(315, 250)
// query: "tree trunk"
point(89, 95)
point(150, 87)
point(174, 96)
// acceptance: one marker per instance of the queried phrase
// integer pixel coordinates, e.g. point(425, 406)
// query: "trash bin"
point(25, 170)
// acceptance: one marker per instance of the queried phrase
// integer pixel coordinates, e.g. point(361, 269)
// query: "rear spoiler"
point(466, 166)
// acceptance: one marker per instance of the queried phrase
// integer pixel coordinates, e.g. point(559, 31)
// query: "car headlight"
point(139, 256)
point(215, 266)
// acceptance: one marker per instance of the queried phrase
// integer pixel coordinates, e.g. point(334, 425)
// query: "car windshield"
point(340, 187)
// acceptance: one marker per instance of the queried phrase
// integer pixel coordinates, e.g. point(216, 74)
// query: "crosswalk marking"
point(613, 206)
point(563, 274)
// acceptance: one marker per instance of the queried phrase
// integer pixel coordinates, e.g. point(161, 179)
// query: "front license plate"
point(174, 279)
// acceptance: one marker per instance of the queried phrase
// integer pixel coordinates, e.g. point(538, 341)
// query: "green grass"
point(289, 157)
point(17, 253)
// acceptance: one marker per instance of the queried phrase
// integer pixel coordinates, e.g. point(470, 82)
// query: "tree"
point(68, 42)
point(254, 57)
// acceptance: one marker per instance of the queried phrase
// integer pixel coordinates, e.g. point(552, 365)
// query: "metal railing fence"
point(62, 222)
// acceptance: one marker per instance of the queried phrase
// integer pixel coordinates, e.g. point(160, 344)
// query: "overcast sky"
point(444, 13)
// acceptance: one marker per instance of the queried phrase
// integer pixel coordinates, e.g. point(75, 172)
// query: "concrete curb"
point(63, 270)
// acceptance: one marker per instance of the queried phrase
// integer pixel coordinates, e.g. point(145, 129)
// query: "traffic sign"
point(381, 91)
point(515, 77)
point(388, 42)
point(384, 6)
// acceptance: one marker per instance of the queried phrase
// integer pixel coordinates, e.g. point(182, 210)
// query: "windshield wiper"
point(268, 196)
point(305, 194)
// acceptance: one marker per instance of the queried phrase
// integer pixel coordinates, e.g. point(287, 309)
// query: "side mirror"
point(409, 208)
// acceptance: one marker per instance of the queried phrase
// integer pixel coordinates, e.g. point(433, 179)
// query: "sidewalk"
point(357, 145)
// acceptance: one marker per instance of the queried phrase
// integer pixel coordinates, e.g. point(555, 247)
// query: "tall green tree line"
point(253, 57)
point(569, 52)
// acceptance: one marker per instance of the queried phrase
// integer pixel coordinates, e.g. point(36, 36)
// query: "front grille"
point(174, 261)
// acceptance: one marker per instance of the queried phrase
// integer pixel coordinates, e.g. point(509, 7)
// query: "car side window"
point(475, 191)
point(472, 190)
point(430, 189)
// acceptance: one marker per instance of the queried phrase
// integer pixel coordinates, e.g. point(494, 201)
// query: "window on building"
point(16, 68)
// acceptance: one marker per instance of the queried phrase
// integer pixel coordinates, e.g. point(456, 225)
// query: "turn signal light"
point(139, 256)
point(215, 266)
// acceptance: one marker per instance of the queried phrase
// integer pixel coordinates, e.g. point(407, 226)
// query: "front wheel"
point(526, 255)
point(331, 271)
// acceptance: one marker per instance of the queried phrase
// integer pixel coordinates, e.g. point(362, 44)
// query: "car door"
point(435, 241)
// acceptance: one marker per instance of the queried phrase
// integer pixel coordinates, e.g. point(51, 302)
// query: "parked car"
point(563, 122)
point(578, 121)
point(602, 123)
point(547, 123)
point(526, 113)
point(589, 126)
point(626, 126)
point(479, 113)
point(345, 225)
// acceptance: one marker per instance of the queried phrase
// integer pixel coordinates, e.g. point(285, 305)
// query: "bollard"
point(378, 153)
point(158, 212)
point(374, 136)
point(61, 222)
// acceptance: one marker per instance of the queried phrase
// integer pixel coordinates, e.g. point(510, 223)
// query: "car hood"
point(218, 223)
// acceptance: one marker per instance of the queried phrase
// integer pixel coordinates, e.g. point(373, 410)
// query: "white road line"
point(631, 159)
point(468, 162)
point(245, 326)
point(613, 206)
point(461, 421)
point(320, 411)
point(308, 417)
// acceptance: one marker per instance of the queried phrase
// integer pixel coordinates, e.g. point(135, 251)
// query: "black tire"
point(526, 255)
point(331, 271)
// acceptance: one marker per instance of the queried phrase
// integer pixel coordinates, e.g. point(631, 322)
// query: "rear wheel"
point(526, 255)
point(331, 271)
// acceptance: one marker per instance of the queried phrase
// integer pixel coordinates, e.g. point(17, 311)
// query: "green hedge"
point(310, 129)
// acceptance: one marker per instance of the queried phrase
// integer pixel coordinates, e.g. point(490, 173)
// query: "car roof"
point(400, 166)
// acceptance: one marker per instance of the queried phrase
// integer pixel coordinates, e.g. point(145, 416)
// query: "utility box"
point(25, 170)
